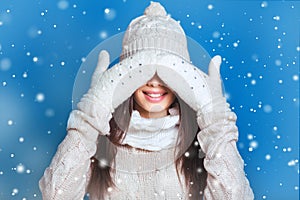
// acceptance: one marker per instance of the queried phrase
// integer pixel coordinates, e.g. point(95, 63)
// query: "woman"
point(151, 127)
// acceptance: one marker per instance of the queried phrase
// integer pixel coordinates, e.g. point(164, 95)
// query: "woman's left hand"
point(215, 100)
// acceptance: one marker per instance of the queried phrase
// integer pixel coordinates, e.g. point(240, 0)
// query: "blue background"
point(43, 43)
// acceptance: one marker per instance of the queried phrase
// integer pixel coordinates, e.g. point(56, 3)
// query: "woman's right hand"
point(96, 103)
point(109, 88)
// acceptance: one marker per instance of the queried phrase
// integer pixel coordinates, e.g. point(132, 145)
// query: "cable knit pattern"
point(68, 174)
point(226, 178)
point(146, 175)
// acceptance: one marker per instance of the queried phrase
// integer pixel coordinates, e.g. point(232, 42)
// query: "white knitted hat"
point(155, 30)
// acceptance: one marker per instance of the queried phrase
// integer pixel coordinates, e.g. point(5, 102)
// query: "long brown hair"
point(188, 163)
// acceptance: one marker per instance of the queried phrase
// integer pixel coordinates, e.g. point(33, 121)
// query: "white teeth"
point(154, 95)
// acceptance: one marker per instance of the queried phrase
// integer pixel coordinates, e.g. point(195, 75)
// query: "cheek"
point(171, 99)
point(136, 97)
point(139, 98)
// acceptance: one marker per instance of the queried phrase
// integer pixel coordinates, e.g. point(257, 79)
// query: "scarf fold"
point(153, 134)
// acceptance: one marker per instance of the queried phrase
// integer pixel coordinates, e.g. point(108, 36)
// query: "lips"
point(154, 96)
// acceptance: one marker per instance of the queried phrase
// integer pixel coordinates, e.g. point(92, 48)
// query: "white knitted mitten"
point(107, 91)
point(215, 117)
point(217, 138)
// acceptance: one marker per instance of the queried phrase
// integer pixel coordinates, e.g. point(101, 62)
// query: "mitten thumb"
point(102, 65)
point(214, 67)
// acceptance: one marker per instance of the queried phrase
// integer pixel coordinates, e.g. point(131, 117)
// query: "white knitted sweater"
point(140, 174)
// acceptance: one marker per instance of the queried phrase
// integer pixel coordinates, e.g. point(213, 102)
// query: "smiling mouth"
point(155, 95)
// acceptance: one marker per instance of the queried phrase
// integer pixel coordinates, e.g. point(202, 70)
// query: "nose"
point(154, 82)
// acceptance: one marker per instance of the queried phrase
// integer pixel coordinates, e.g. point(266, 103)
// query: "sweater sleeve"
point(226, 178)
point(68, 175)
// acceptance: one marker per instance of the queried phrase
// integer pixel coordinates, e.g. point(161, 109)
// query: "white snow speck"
point(295, 77)
point(267, 108)
point(62, 63)
point(4, 83)
point(235, 44)
point(14, 191)
point(63, 4)
point(268, 157)
point(253, 145)
point(21, 139)
point(250, 136)
point(277, 62)
point(264, 4)
point(278, 137)
point(20, 168)
point(40, 97)
point(298, 48)
point(103, 34)
point(216, 34)
point(35, 59)
point(292, 163)
point(25, 75)
point(10, 122)
point(210, 7)
point(33, 32)
point(277, 18)
point(109, 189)
point(49, 112)
point(103, 162)
point(5, 64)
point(109, 14)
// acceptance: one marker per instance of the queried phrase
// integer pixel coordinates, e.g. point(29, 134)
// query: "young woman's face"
point(153, 99)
